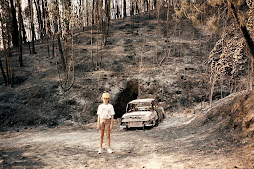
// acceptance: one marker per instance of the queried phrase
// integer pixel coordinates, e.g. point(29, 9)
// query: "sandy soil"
point(175, 143)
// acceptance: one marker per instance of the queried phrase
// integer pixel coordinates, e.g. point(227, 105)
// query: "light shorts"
point(105, 124)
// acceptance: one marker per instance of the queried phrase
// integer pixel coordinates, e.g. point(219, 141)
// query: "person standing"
point(105, 120)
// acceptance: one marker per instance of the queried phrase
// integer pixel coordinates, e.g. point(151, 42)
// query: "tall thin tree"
point(14, 30)
point(32, 24)
point(39, 17)
point(2, 33)
point(20, 34)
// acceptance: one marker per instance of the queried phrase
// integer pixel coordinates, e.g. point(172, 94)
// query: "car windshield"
point(142, 106)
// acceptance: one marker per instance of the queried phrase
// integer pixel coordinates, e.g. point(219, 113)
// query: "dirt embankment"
point(216, 137)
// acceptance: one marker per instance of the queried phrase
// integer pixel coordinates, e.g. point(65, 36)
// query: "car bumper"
point(136, 124)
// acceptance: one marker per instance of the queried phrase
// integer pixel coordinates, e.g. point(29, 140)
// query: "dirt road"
point(173, 144)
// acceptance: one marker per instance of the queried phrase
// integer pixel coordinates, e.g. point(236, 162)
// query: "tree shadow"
point(14, 158)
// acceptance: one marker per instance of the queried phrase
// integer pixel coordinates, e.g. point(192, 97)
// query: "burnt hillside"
point(137, 62)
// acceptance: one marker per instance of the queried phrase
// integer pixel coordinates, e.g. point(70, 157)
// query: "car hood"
point(137, 114)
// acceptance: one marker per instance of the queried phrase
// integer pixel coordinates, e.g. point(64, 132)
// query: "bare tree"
point(30, 3)
point(108, 19)
point(44, 13)
point(20, 34)
point(158, 8)
point(167, 35)
point(124, 8)
point(6, 24)
point(132, 16)
point(62, 26)
point(14, 30)
point(149, 6)
point(39, 17)
point(1, 66)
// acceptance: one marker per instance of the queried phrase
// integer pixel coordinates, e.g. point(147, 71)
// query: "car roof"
point(141, 101)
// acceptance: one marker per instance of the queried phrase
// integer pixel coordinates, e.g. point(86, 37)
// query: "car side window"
point(131, 108)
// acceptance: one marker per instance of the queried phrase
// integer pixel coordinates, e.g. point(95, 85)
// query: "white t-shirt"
point(105, 111)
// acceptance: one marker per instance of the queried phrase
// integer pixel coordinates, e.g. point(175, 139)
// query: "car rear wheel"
point(126, 128)
point(144, 126)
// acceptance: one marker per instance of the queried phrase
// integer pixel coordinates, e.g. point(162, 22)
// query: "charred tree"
point(105, 24)
point(32, 25)
point(124, 8)
point(44, 13)
point(20, 35)
point(3, 73)
point(92, 12)
point(9, 55)
point(148, 6)
point(108, 14)
point(132, 17)
point(39, 17)
point(98, 21)
point(23, 34)
point(1, 66)
point(46, 22)
point(14, 30)
point(61, 51)
point(145, 6)
point(6, 25)
point(58, 29)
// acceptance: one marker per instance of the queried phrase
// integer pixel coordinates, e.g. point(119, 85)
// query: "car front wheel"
point(156, 122)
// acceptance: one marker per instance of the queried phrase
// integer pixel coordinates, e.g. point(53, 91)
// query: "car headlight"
point(124, 123)
point(148, 122)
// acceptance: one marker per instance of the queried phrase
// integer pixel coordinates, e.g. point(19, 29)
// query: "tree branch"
point(243, 29)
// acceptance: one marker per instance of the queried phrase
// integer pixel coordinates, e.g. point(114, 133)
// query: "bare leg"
point(101, 137)
point(108, 137)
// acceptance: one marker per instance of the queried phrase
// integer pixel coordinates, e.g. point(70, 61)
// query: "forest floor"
point(206, 138)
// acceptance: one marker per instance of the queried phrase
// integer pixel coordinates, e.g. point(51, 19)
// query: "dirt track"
point(173, 144)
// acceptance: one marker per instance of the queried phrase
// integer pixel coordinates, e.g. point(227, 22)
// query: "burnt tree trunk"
point(105, 28)
point(4, 32)
point(11, 75)
point(14, 31)
point(3, 74)
point(38, 10)
point(124, 8)
point(108, 15)
point(32, 25)
point(43, 6)
point(23, 35)
point(148, 6)
point(24, 31)
point(61, 51)
point(132, 17)
point(92, 11)
point(53, 46)
point(20, 35)
point(145, 6)
point(1, 66)
point(92, 58)
point(6, 64)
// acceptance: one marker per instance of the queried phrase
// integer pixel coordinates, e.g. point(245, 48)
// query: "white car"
point(142, 113)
